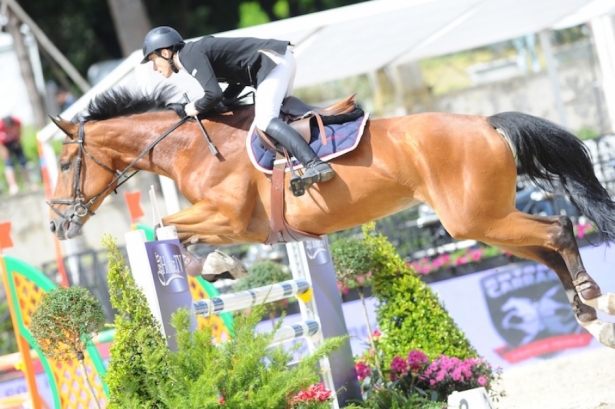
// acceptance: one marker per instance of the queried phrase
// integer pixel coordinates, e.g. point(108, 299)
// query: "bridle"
point(80, 207)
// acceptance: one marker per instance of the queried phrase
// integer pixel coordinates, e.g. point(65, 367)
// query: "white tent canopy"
point(361, 38)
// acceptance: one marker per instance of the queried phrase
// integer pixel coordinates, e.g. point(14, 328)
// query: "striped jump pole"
point(248, 298)
point(303, 329)
point(269, 293)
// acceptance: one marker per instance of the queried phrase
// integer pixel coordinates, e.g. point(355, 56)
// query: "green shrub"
point(136, 331)
point(409, 314)
point(242, 373)
point(63, 325)
point(586, 133)
point(64, 322)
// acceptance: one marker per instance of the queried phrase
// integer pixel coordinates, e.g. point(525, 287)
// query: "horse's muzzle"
point(66, 228)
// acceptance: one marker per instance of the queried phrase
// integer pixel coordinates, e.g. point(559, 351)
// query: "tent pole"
point(604, 38)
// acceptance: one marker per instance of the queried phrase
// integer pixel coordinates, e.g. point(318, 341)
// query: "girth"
point(281, 231)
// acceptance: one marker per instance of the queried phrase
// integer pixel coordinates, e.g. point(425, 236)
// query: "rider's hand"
point(190, 110)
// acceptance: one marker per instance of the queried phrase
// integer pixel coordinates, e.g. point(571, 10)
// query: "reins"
point(81, 208)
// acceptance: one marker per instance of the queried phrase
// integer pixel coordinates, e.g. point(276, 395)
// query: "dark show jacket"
point(236, 61)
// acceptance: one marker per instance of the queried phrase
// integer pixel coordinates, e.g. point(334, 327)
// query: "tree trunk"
point(25, 66)
point(131, 23)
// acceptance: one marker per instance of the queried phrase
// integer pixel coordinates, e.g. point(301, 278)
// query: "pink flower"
point(315, 393)
point(461, 260)
point(376, 334)
point(360, 280)
point(476, 255)
point(399, 365)
point(417, 359)
point(438, 262)
point(363, 370)
point(482, 381)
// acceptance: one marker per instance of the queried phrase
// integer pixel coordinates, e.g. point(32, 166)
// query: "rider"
point(265, 64)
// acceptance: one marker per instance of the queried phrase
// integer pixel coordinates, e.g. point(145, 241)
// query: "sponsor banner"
point(170, 281)
point(519, 313)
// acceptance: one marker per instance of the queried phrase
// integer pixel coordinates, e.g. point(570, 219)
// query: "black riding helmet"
point(159, 38)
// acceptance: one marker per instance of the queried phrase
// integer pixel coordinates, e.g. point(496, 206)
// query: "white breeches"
point(276, 86)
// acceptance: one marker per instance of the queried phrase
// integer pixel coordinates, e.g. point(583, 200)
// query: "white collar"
point(179, 64)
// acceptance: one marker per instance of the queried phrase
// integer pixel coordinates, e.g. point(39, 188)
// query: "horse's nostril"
point(52, 227)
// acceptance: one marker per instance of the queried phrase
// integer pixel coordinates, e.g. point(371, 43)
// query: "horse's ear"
point(66, 126)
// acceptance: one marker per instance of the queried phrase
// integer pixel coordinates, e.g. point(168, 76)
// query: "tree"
point(63, 325)
point(131, 23)
point(25, 66)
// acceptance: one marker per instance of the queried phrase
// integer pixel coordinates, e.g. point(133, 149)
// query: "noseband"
point(80, 207)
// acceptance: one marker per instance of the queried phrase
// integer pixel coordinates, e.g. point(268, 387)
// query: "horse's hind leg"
point(550, 240)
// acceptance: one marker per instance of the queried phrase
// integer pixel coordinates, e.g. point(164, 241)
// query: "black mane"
point(120, 101)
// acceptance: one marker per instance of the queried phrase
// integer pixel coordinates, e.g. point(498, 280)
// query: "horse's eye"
point(65, 166)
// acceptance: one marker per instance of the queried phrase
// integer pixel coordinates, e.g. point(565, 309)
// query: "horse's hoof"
point(218, 263)
point(604, 303)
point(584, 312)
point(603, 332)
point(192, 263)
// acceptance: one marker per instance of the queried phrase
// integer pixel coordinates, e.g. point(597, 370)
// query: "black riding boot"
point(315, 169)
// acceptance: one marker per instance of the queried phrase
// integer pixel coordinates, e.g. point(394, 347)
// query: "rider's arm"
point(204, 74)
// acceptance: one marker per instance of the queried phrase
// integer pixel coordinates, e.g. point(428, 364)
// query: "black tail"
point(546, 152)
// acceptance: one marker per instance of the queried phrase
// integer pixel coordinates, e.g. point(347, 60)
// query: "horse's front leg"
point(214, 224)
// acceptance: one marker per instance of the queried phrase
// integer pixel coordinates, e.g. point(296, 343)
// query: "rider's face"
point(161, 64)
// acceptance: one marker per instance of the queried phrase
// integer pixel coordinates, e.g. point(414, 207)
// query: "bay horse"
point(464, 167)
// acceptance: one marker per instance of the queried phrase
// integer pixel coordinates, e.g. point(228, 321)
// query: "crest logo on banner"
point(317, 251)
point(530, 310)
point(167, 265)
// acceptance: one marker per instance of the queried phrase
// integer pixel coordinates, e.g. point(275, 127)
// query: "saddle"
point(298, 114)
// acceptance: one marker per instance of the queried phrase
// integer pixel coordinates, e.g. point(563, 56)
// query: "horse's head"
point(86, 171)
point(85, 178)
